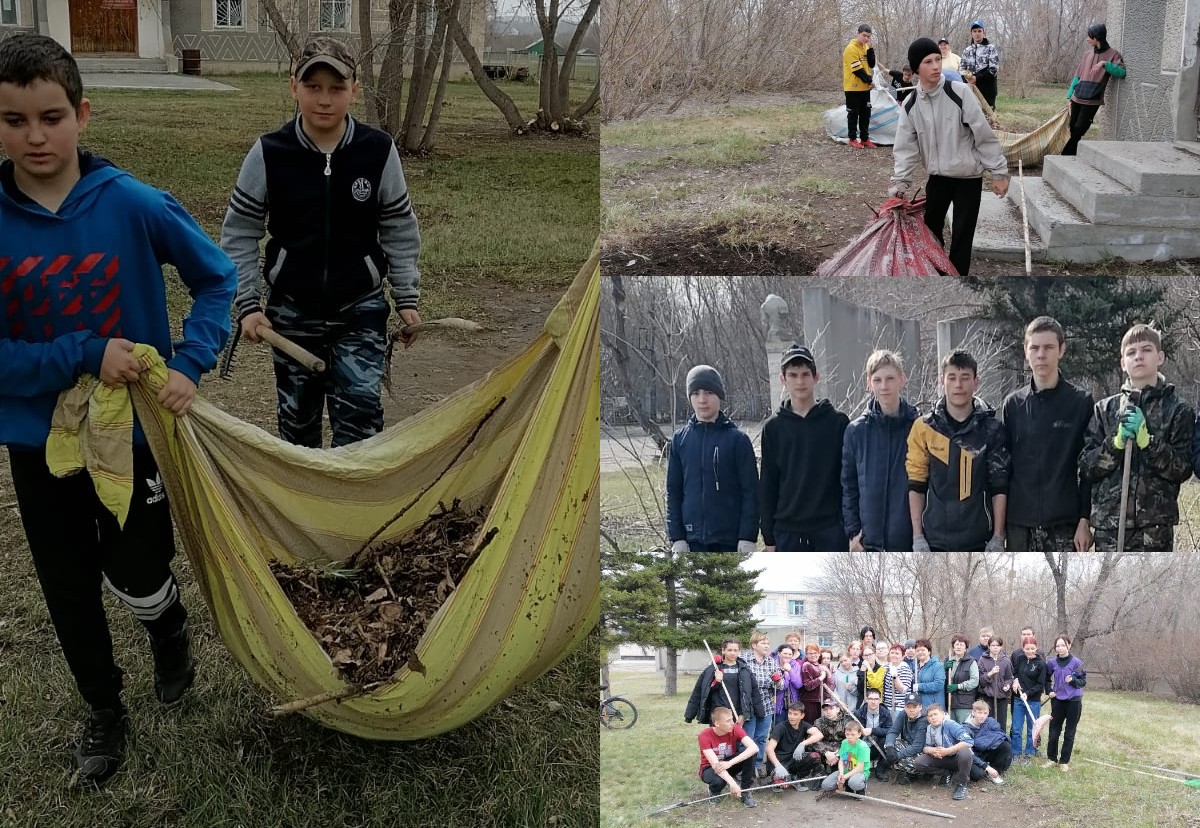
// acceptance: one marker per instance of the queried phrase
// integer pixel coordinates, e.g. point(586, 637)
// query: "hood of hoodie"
point(823, 408)
point(95, 174)
point(907, 411)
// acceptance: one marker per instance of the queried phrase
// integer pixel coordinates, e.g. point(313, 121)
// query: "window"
point(8, 12)
point(230, 14)
point(335, 15)
point(768, 607)
point(795, 607)
point(825, 640)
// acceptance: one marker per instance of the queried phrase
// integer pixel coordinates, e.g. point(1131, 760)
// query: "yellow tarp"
point(1030, 147)
point(242, 497)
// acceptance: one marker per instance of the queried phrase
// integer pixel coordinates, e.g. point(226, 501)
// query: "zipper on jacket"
point(717, 466)
point(328, 193)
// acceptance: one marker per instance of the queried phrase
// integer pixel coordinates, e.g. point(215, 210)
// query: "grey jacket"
point(934, 132)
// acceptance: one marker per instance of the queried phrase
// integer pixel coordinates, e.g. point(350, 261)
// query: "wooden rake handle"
point(306, 358)
point(452, 322)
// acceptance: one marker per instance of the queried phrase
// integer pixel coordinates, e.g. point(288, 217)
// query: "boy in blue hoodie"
point(712, 478)
point(874, 449)
point(81, 262)
point(801, 491)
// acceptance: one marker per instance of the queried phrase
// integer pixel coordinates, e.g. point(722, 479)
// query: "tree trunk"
point(1058, 570)
point(504, 103)
point(604, 677)
point(671, 673)
point(562, 102)
point(618, 343)
point(671, 668)
point(280, 25)
point(391, 77)
point(589, 104)
point(366, 64)
point(439, 97)
point(412, 112)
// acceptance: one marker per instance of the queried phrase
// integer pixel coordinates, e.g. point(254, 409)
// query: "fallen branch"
point(348, 692)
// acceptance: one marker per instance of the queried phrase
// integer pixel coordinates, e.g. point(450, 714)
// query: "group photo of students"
point(802, 716)
point(1047, 469)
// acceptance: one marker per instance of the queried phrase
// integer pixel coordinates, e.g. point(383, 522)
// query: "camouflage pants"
point(352, 343)
point(1159, 538)
point(1057, 538)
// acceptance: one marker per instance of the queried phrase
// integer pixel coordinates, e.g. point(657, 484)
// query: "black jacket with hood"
point(749, 700)
point(1046, 430)
point(801, 487)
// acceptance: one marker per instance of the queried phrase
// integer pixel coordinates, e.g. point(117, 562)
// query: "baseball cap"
point(795, 352)
point(829, 703)
point(326, 51)
point(943, 40)
point(977, 24)
point(912, 698)
point(910, 644)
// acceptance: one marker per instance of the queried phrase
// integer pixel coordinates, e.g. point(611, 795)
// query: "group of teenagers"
point(81, 270)
point(1042, 473)
point(942, 128)
point(815, 720)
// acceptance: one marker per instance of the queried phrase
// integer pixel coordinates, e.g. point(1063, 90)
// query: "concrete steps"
point(1105, 200)
point(1147, 168)
point(111, 65)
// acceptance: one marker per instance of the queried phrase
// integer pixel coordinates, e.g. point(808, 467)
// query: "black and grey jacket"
point(339, 222)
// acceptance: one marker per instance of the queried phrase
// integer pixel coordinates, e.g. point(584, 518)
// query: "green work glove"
point(1116, 70)
point(953, 687)
point(1132, 427)
point(1071, 91)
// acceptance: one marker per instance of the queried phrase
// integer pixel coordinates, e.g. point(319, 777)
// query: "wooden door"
point(103, 26)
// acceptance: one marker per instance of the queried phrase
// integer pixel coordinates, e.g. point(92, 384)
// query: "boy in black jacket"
point(740, 689)
point(801, 490)
point(341, 222)
point(1158, 424)
point(1048, 506)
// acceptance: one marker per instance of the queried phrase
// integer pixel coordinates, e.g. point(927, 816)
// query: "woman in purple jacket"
point(1067, 678)
point(788, 689)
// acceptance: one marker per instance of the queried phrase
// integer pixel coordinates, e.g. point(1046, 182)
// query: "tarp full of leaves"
point(895, 243)
point(522, 444)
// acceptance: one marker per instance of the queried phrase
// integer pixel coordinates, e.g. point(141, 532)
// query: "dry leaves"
point(369, 619)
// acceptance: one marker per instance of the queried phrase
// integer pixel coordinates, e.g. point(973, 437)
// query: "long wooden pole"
point(1024, 219)
point(713, 659)
point(682, 804)
point(1135, 770)
point(896, 804)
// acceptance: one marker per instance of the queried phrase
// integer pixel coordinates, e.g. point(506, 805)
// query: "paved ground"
point(140, 80)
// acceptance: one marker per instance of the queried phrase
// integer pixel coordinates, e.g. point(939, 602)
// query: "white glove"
point(781, 774)
point(994, 545)
point(920, 544)
point(747, 547)
point(895, 192)
point(680, 547)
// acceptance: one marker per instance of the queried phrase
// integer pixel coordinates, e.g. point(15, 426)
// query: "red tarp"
point(895, 243)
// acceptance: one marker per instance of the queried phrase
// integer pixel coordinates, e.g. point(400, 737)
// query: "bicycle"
point(617, 712)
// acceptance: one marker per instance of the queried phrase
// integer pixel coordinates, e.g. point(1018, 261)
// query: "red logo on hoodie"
point(58, 294)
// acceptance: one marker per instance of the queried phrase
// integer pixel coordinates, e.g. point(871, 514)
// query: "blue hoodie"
point(712, 484)
point(70, 281)
point(874, 479)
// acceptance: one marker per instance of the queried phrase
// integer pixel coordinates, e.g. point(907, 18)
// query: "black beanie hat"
point(920, 49)
point(705, 377)
point(1100, 32)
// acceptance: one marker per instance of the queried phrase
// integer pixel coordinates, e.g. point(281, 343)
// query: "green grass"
point(520, 210)
point(1024, 114)
point(655, 762)
point(523, 211)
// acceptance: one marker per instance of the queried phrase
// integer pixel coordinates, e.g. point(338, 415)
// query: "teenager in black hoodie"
point(800, 501)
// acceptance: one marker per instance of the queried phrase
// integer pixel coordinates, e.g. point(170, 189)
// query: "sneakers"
point(960, 792)
point(1049, 763)
point(715, 790)
point(901, 778)
point(868, 144)
point(174, 671)
point(945, 783)
point(1064, 768)
point(748, 800)
point(857, 144)
point(99, 752)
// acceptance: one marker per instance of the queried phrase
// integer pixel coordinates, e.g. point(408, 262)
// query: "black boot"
point(173, 668)
point(99, 752)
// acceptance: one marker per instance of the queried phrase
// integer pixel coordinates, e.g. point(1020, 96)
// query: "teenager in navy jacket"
point(712, 478)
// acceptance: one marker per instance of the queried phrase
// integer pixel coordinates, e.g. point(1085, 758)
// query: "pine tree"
point(677, 602)
point(1095, 312)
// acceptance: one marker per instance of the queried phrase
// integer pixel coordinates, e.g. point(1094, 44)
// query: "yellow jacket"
point(854, 57)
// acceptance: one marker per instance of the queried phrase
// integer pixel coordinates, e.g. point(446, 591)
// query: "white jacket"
point(943, 138)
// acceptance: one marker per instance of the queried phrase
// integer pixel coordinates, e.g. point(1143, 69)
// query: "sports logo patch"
point(361, 189)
